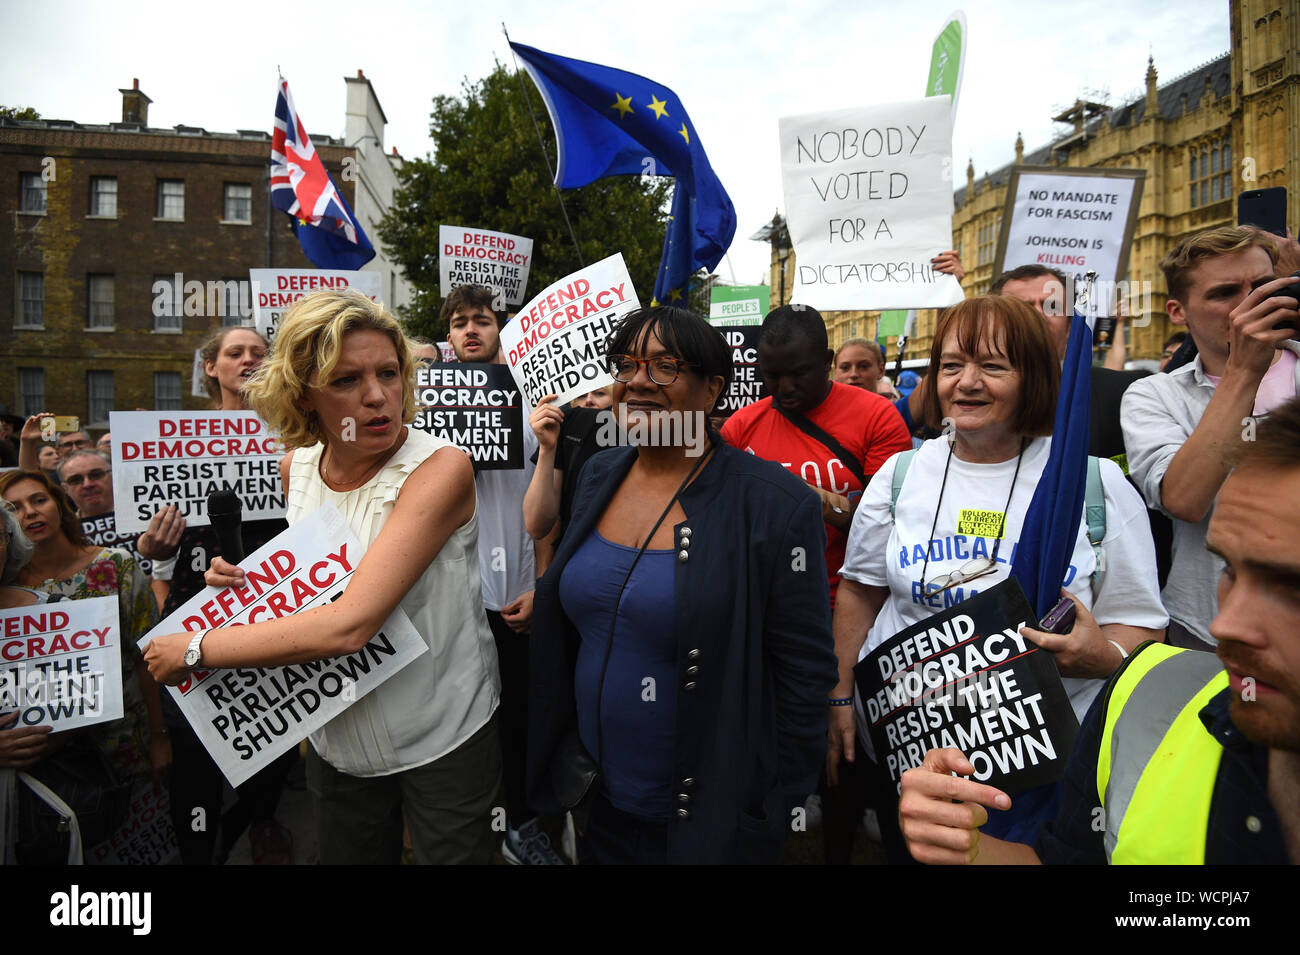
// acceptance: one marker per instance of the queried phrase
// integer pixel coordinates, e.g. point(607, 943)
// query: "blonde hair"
point(310, 342)
point(1183, 259)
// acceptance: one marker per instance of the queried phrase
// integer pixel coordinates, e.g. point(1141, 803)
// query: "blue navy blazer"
point(755, 656)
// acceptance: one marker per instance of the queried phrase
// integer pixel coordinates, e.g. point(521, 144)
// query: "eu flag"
point(1047, 539)
point(1051, 524)
point(610, 122)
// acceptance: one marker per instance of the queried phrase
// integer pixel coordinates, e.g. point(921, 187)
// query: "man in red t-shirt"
point(795, 362)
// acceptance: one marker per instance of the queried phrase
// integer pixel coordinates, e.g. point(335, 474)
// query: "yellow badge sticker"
point(975, 523)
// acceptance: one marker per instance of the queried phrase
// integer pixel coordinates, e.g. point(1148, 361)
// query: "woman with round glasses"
point(992, 385)
point(681, 639)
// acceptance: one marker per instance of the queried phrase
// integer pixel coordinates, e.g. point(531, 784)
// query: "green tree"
point(487, 171)
point(18, 112)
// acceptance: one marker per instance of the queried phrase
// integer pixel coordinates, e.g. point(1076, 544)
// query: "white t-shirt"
point(884, 552)
point(505, 551)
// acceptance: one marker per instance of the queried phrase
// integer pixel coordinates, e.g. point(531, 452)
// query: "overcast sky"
point(737, 65)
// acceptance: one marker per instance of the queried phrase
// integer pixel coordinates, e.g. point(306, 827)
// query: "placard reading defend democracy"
point(482, 257)
point(247, 717)
point(966, 678)
point(146, 837)
point(556, 344)
point(102, 532)
point(868, 196)
point(61, 664)
point(180, 457)
point(476, 407)
point(747, 384)
point(274, 290)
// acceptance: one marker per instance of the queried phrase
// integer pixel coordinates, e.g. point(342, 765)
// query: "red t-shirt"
point(867, 425)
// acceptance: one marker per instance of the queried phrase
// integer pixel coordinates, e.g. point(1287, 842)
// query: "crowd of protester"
point(648, 650)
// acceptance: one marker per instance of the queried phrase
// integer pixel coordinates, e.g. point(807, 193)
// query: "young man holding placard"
point(1179, 427)
point(510, 563)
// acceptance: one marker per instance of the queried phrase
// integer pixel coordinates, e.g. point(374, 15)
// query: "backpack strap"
point(901, 464)
point(851, 464)
point(1094, 507)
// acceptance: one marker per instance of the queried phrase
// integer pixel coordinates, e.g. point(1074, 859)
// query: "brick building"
point(1230, 125)
point(109, 223)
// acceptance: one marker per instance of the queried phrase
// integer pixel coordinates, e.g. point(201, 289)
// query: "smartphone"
point(1265, 208)
point(66, 423)
point(1291, 291)
point(1060, 619)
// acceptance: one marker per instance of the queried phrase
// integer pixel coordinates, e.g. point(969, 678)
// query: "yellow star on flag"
point(659, 106)
point(623, 104)
point(684, 134)
point(675, 294)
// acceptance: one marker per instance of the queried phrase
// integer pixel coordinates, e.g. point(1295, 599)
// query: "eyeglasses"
point(76, 480)
point(662, 370)
point(76, 443)
point(971, 570)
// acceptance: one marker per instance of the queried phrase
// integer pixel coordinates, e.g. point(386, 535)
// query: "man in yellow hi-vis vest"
point(1184, 757)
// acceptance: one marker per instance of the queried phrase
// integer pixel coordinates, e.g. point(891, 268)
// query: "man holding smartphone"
point(1179, 427)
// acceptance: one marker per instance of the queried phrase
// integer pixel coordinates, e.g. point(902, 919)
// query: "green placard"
point(731, 305)
point(892, 323)
point(946, 59)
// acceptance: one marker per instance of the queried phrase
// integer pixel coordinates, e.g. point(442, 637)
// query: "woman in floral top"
point(64, 564)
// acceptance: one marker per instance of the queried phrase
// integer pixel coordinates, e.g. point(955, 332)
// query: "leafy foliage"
point(18, 112)
point(487, 171)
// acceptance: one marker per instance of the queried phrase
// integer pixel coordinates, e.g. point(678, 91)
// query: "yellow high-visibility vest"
point(1158, 764)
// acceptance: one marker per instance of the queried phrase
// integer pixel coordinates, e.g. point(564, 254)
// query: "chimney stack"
point(135, 105)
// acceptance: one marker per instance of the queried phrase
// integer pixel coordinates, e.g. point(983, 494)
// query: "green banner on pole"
point(946, 59)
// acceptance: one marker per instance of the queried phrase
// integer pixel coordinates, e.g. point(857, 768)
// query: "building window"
point(167, 391)
point(988, 242)
point(238, 204)
point(103, 196)
point(168, 303)
point(31, 300)
point(1209, 173)
point(31, 391)
point(32, 193)
point(99, 314)
point(235, 302)
point(99, 386)
point(171, 199)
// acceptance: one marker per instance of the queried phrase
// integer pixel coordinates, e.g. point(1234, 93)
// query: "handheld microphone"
point(226, 512)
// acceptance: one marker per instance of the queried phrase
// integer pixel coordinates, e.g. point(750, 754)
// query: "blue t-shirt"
point(637, 704)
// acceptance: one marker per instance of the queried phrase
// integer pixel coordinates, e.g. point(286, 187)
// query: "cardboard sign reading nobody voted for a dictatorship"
point(966, 678)
point(868, 195)
point(180, 457)
point(556, 343)
point(61, 663)
point(497, 260)
point(747, 384)
point(476, 407)
point(248, 716)
point(275, 290)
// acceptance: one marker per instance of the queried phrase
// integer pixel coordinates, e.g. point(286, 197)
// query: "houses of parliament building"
point(1228, 126)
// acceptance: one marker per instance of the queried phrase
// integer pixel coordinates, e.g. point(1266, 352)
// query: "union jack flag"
point(327, 230)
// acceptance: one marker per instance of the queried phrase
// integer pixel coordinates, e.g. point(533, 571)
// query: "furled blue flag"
point(608, 123)
point(1051, 524)
point(327, 230)
point(1047, 539)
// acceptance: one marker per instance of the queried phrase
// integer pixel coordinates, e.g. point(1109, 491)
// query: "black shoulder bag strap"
point(810, 429)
